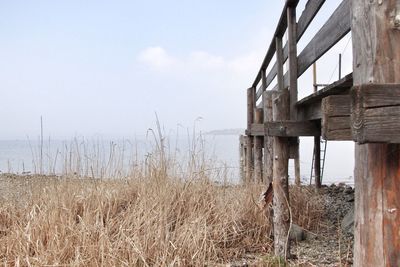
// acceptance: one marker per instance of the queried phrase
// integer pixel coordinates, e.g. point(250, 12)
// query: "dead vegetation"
point(156, 221)
point(164, 213)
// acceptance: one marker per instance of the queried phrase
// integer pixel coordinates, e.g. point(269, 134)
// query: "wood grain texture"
point(376, 59)
point(242, 155)
point(280, 112)
point(311, 111)
point(292, 44)
point(292, 128)
point(376, 113)
point(280, 183)
point(250, 139)
point(268, 141)
point(292, 33)
point(336, 118)
point(310, 11)
point(258, 148)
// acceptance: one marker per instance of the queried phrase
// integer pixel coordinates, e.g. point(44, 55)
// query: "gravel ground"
point(330, 246)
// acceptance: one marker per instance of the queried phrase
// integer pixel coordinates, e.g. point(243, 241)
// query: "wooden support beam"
point(376, 57)
point(285, 128)
point(317, 161)
point(292, 44)
point(292, 128)
point(317, 140)
point(336, 118)
point(311, 111)
point(258, 148)
point(251, 101)
point(268, 140)
point(242, 156)
point(376, 113)
point(280, 110)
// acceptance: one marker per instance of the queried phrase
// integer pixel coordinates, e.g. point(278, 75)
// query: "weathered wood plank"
point(258, 147)
point(310, 11)
point(336, 128)
point(285, 129)
point(242, 155)
point(280, 30)
point(251, 101)
point(336, 118)
point(376, 113)
point(268, 141)
point(336, 105)
point(292, 44)
point(377, 95)
point(292, 128)
point(292, 57)
point(280, 111)
point(376, 57)
point(339, 87)
point(311, 111)
point(337, 26)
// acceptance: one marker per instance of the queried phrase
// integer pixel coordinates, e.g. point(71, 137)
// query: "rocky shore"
point(332, 244)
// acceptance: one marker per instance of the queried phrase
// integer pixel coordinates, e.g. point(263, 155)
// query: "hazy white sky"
point(106, 67)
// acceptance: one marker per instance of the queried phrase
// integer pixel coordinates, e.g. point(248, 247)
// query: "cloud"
point(246, 63)
point(205, 60)
point(157, 58)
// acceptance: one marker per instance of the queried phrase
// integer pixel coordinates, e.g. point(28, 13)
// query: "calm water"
point(23, 155)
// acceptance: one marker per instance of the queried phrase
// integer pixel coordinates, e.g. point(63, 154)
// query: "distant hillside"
point(226, 132)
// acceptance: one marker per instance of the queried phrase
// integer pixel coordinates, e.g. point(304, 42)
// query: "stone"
point(347, 224)
point(296, 233)
point(348, 190)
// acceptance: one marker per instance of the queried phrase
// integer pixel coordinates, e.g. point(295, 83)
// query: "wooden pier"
point(363, 106)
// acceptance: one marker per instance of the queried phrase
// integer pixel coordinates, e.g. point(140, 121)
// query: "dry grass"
point(164, 213)
point(308, 209)
point(133, 222)
point(151, 222)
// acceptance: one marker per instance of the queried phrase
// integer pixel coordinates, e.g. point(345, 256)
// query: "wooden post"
point(280, 110)
point(268, 140)
point(317, 161)
point(251, 101)
point(242, 158)
point(292, 57)
point(258, 147)
point(317, 140)
point(376, 59)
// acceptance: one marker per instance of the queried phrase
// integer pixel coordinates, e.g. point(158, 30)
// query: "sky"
point(108, 67)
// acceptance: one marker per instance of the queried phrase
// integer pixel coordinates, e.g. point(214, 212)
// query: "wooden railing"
point(275, 125)
point(300, 121)
point(363, 106)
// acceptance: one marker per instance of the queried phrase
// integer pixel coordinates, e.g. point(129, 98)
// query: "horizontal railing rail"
point(334, 29)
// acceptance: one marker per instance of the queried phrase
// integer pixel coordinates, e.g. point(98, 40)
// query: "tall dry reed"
point(164, 212)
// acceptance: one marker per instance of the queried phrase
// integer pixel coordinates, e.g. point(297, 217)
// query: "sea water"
point(23, 156)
